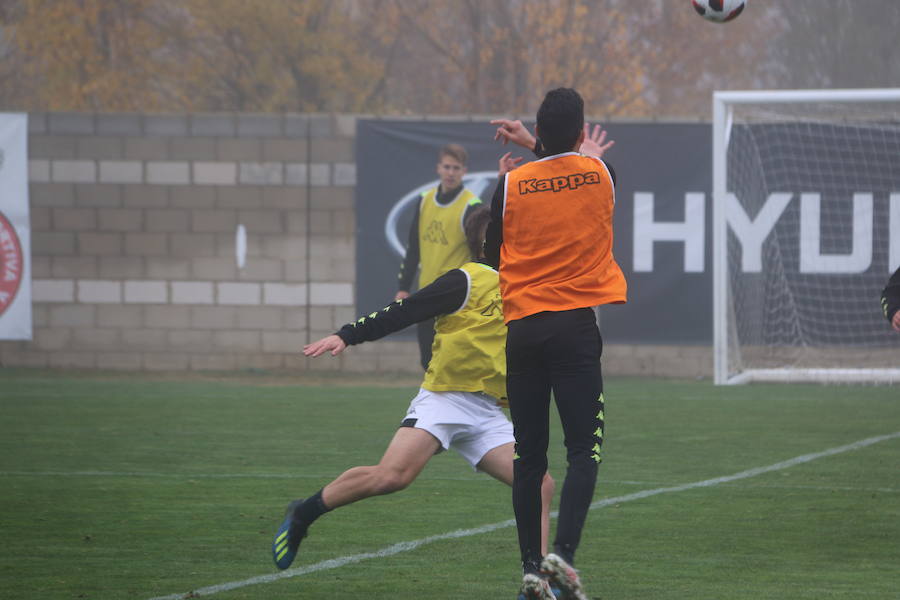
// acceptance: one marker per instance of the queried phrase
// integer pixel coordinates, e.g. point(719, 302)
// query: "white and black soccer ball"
point(719, 11)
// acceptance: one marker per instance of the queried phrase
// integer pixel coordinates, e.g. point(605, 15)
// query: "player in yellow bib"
point(437, 241)
point(458, 404)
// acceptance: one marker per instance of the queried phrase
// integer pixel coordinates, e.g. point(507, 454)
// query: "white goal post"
point(806, 233)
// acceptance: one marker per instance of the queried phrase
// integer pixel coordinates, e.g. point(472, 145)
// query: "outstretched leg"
point(404, 459)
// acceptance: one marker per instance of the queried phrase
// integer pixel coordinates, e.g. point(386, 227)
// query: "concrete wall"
point(133, 223)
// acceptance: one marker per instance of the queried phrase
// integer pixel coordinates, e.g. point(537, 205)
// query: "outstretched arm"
point(444, 295)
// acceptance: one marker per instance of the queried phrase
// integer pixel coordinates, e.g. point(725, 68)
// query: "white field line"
point(792, 462)
point(819, 488)
point(399, 547)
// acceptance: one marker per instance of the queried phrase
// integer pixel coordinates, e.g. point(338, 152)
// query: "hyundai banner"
point(662, 226)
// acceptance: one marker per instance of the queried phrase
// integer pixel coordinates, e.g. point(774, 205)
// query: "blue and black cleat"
point(288, 537)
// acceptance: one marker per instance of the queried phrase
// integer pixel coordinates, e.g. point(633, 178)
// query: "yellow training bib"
point(469, 350)
point(442, 239)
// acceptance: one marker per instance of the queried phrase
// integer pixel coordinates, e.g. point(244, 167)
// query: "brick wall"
point(134, 221)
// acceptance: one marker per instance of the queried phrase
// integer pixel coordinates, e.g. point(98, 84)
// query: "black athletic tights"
point(558, 351)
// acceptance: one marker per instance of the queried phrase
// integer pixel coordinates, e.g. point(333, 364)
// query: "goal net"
point(806, 233)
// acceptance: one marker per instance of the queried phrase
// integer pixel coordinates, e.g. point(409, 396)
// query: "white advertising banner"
point(15, 234)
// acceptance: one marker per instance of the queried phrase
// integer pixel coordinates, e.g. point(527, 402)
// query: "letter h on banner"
point(691, 232)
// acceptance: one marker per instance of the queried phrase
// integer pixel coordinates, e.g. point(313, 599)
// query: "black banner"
point(824, 212)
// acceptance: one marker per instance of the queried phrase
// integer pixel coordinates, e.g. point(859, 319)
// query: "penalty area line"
point(400, 547)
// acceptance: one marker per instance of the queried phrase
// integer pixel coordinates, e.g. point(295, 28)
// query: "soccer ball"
point(719, 11)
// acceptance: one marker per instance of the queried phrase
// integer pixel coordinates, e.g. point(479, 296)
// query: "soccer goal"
point(806, 233)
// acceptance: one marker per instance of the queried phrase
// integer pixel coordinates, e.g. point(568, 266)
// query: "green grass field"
point(129, 487)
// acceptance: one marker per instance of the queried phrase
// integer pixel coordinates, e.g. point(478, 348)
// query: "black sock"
point(532, 567)
point(311, 509)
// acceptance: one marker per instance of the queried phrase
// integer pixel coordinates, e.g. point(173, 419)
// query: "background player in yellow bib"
point(437, 242)
point(458, 405)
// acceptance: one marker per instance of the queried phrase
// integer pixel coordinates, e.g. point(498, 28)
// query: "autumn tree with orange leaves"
point(625, 61)
point(653, 58)
point(245, 55)
point(83, 54)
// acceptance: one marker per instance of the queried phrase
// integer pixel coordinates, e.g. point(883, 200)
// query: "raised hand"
point(593, 144)
point(513, 131)
point(507, 163)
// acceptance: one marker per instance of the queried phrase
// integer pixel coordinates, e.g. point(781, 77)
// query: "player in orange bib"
point(552, 234)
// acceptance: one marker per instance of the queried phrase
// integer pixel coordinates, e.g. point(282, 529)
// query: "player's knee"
point(389, 482)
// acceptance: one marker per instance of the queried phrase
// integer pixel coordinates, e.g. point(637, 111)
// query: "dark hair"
point(454, 151)
point(560, 120)
point(475, 226)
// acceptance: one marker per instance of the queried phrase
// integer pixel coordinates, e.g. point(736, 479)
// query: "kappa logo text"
point(556, 184)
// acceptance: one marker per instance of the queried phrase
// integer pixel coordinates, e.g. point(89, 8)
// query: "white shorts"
point(468, 422)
